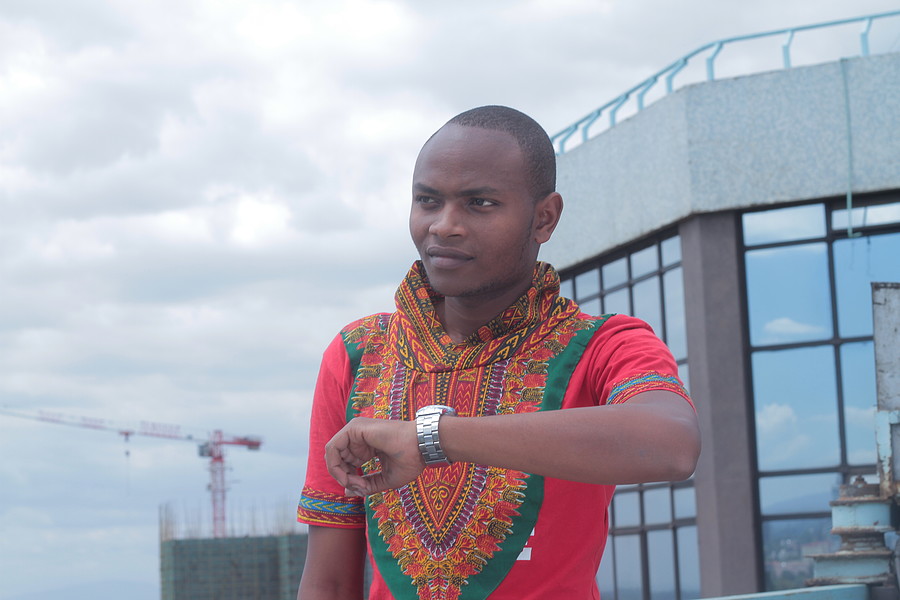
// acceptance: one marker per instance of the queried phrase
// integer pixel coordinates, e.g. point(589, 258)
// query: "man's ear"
point(546, 216)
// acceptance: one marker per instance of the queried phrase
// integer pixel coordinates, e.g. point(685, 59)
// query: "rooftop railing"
point(590, 124)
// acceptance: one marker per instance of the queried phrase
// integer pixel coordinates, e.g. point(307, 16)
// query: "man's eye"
point(425, 200)
point(483, 202)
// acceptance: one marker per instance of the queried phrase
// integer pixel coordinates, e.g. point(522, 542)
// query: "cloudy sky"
point(195, 196)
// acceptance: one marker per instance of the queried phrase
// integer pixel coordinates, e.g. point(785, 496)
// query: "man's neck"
point(463, 316)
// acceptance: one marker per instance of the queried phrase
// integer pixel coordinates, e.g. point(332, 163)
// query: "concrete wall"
point(750, 141)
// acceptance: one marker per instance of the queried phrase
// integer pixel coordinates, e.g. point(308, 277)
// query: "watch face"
point(436, 409)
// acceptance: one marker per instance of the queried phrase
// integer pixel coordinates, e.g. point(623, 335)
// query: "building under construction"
point(254, 566)
point(245, 568)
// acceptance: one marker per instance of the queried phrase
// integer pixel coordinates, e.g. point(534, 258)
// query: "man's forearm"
point(650, 438)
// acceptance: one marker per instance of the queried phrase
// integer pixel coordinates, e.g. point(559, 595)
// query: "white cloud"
point(787, 327)
point(781, 438)
point(258, 221)
point(773, 419)
point(857, 416)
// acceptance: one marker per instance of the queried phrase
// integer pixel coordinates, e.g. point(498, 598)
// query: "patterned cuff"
point(331, 510)
point(645, 382)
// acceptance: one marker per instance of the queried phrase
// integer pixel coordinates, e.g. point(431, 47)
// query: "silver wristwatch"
point(427, 419)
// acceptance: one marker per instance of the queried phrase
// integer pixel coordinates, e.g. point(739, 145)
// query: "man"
point(445, 453)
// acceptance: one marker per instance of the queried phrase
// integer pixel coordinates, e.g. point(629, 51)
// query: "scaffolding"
point(246, 568)
point(261, 560)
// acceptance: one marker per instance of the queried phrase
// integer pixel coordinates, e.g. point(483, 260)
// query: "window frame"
point(643, 528)
point(835, 342)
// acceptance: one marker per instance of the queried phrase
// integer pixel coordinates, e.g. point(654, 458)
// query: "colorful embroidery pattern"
point(625, 390)
point(330, 509)
point(421, 342)
point(455, 532)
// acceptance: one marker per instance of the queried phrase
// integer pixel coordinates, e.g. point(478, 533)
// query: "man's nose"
point(447, 222)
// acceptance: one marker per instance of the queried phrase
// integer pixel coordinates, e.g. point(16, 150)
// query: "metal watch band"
point(427, 422)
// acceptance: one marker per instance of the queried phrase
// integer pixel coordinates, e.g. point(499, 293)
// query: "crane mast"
point(212, 448)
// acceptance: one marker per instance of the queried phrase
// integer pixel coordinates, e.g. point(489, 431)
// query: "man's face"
point(472, 216)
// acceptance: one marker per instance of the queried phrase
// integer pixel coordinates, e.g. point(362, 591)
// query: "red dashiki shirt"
point(470, 531)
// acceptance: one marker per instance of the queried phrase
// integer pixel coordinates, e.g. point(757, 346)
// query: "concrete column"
point(886, 324)
point(726, 491)
point(886, 332)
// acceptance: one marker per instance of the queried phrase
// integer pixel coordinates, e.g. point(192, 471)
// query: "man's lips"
point(446, 258)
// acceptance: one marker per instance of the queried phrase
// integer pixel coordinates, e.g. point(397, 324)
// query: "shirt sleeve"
point(625, 358)
point(322, 501)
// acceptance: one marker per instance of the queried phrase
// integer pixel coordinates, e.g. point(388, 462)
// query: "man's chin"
point(456, 285)
point(444, 289)
point(445, 284)
point(447, 288)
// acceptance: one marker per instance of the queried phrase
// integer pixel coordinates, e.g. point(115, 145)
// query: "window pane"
point(661, 550)
point(591, 307)
point(605, 581)
point(644, 261)
point(788, 295)
point(615, 273)
point(858, 385)
point(628, 567)
point(657, 506)
point(795, 398)
point(626, 511)
point(647, 303)
point(676, 339)
point(587, 284)
point(798, 493)
point(864, 216)
point(858, 262)
point(671, 250)
point(617, 302)
point(688, 562)
point(684, 374)
point(685, 503)
point(787, 546)
point(784, 224)
point(566, 289)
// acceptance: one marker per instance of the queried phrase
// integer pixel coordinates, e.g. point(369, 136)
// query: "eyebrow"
point(478, 191)
point(421, 187)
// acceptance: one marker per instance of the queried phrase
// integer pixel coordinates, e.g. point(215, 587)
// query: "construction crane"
point(212, 448)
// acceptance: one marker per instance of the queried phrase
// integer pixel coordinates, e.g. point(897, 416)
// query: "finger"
point(339, 474)
point(338, 467)
point(373, 483)
point(357, 485)
point(350, 457)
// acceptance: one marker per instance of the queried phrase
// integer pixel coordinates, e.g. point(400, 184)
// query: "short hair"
point(540, 156)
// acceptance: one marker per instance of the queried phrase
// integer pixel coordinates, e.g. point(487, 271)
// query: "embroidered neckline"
point(416, 325)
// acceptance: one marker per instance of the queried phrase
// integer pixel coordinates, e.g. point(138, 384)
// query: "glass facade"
point(652, 548)
point(808, 271)
point(809, 356)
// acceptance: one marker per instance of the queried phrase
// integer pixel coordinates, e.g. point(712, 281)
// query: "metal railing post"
point(786, 50)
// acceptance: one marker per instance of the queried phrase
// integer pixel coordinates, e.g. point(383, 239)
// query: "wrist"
point(428, 436)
